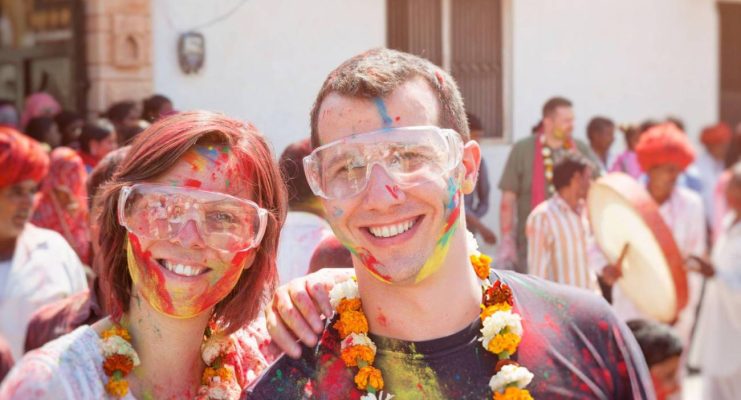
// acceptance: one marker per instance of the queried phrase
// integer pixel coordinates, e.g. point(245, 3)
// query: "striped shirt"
point(559, 244)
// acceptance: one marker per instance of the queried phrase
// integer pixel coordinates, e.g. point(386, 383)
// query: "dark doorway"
point(730, 62)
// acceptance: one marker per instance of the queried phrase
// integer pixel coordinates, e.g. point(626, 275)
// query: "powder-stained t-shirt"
point(572, 343)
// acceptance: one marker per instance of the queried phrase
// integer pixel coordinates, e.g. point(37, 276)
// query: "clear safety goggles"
point(160, 212)
point(410, 155)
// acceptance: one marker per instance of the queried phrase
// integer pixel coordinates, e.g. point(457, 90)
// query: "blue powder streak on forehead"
point(381, 107)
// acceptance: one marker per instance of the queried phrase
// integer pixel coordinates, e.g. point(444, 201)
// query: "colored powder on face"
point(194, 183)
point(196, 161)
point(453, 209)
point(381, 107)
point(394, 191)
point(337, 212)
point(397, 119)
point(153, 282)
point(369, 262)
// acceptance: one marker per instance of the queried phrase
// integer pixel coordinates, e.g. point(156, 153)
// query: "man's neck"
point(601, 154)
point(659, 195)
point(169, 350)
point(442, 304)
point(552, 141)
point(570, 198)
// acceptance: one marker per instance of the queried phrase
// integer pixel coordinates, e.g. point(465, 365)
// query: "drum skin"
point(622, 212)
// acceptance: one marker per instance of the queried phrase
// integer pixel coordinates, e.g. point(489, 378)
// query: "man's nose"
point(382, 191)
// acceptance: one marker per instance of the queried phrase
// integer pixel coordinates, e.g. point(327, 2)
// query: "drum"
point(628, 228)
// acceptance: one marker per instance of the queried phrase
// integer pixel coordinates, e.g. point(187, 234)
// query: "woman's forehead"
point(211, 167)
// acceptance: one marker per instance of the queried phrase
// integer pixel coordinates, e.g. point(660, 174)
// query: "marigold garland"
point(501, 334)
point(218, 352)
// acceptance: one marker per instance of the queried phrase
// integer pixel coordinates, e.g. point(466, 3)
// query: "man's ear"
point(471, 162)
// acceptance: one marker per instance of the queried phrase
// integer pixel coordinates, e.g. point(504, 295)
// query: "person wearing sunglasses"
point(425, 317)
point(188, 236)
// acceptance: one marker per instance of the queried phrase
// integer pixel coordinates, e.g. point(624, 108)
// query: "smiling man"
point(392, 160)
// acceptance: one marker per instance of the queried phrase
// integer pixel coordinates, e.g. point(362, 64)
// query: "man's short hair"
point(554, 103)
point(566, 168)
point(292, 170)
point(378, 72)
point(658, 342)
point(598, 125)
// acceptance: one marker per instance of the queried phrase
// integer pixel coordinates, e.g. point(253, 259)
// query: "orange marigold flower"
point(490, 310)
point(351, 355)
point(118, 362)
point(481, 265)
point(498, 293)
point(349, 305)
point(351, 322)
point(369, 377)
point(117, 388)
point(504, 342)
point(513, 393)
point(116, 330)
point(224, 374)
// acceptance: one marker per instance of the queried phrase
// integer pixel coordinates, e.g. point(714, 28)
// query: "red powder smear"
point(394, 191)
point(194, 183)
point(603, 325)
point(440, 78)
point(397, 119)
point(549, 323)
point(154, 269)
point(370, 262)
point(382, 319)
point(212, 297)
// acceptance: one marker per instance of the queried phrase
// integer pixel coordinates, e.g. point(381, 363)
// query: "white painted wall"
point(267, 61)
point(627, 59)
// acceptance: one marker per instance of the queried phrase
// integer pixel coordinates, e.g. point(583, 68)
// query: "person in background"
point(6, 358)
point(69, 124)
point(39, 104)
point(526, 180)
point(155, 107)
point(8, 114)
point(96, 140)
point(44, 130)
point(662, 349)
point(477, 203)
point(123, 114)
point(711, 162)
point(720, 207)
point(330, 253)
point(559, 239)
point(627, 162)
point(305, 225)
point(84, 308)
point(716, 347)
point(37, 266)
point(61, 205)
point(601, 135)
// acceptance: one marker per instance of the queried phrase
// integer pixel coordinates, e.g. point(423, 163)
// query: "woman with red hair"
point(37, 266)
point(664, 152)
point(188, 237)
point(61, 204)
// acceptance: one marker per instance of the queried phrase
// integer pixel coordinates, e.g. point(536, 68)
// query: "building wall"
point(266, 62)
point(628, 60)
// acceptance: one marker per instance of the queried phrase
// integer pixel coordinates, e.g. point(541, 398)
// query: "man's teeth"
point(182, 269)
point(391, 230)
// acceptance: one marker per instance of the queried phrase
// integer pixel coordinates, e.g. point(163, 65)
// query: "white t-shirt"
point(299, 237)
point(44, 269)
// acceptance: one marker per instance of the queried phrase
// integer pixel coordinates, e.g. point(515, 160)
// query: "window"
point(465, 38)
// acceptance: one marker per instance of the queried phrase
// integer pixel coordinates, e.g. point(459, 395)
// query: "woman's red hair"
point(154, 152)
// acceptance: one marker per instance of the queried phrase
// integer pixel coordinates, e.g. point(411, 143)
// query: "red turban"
point(664, 144)
point(716, 134)
point(21, 158)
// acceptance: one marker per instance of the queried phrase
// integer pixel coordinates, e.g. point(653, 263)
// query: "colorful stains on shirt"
point(572, 342)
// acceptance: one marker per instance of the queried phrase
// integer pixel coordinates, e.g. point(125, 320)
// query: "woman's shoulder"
point(68, 367)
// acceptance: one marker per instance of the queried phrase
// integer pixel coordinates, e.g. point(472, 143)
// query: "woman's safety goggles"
point(410, 155)
point(160, 212)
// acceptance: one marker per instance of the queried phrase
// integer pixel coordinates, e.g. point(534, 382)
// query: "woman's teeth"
point(182, 269)
point(391, 230)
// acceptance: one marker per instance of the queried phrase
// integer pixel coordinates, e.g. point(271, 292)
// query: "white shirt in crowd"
point(683, 214)
point(716, 348)
point(299, 237)
point(44, 268)
point(710, 170)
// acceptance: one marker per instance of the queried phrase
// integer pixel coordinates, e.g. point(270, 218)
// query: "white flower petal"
point(508, 375)
point(343, 290)
point(495, 323)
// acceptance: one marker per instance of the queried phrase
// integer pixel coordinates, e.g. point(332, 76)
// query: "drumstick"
point(623, 253)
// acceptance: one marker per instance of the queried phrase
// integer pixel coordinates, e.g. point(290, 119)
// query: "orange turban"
point(664, 144)
point(716, 134)
point(21, 158)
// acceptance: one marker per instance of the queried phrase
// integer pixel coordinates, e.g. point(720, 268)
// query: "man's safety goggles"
point(160, 212)
point(410, 155)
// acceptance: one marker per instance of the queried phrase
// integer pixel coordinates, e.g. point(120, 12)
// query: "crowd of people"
point(153, 253)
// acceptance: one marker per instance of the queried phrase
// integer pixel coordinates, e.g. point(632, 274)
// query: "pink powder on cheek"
point(194, 183)
point(216, 294)
point(155, 276)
